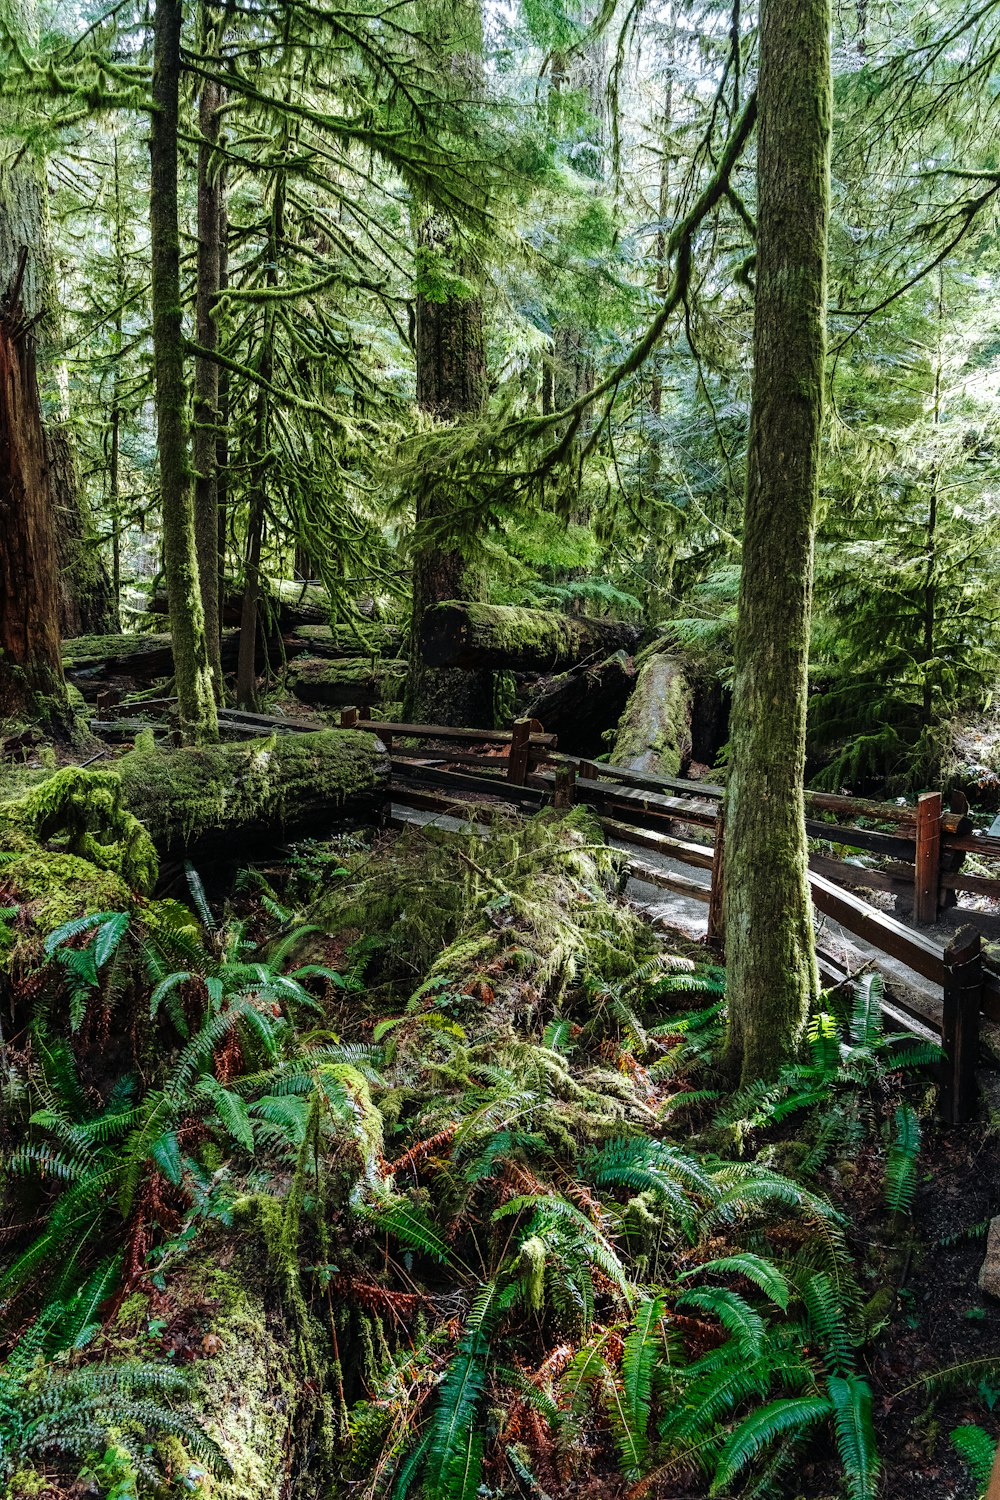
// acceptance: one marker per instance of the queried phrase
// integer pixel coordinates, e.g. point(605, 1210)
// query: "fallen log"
point(369, 638)
point(89, 661)
point(504, 637)
point(341, 684)
point(235, 793)
point(579, 705)
point(654, 732)
point(286, 603)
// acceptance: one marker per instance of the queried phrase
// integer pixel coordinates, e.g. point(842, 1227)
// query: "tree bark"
point(579, 705)
point(31, 678)
point(450, 347)
point(88, 600)
point(769, 934)
point(180, 557)
point(503, 637)
point(654, 733)
point(206, 376)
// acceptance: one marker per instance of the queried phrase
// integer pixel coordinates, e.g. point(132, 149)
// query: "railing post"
point(963, 989)
point(517, 765)
point(565, 783)
point(348, 718)
point(716, 935)
point(927, 858)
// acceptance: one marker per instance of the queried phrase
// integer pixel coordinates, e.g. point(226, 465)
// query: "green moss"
point(58, 887)
point(181, 795)
point(82, 813)
point(654, 732)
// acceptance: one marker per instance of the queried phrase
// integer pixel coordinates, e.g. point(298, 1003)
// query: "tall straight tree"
point(206, 381)
point(192, 668)
point(769, 932)
point(450, 348)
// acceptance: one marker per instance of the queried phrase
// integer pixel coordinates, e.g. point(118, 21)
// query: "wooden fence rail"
point(925, 846)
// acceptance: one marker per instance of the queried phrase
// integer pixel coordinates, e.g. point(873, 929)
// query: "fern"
point(901, 1163)
point(791, 1414)
point(851, 1398)
point(977, 1449)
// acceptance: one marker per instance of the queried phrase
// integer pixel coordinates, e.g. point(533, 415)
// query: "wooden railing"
point(924, 846)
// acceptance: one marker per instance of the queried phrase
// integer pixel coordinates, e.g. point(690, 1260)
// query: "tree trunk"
point(450, 348)
point(31, 679)
point(654, 733)
point(579, 705)
point(180, 557)
point(206, 376)
point(504, 637)
point(88, 600)
point(769, 932)
point(228, 795)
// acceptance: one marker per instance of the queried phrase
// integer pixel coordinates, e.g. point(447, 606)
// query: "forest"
point(499, 768)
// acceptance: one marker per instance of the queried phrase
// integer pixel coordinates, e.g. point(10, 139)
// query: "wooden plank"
point(913, 949)
point(684, 852)
point(644, 781)
point(986, 885)
point(960, 1026)
point(630, 804)
point(716, 935)
point(460, 781)
point(446, 732)
point(891, 845)
point(971, 843)
point(855, 877)
point(668, 880)
point(926, 884)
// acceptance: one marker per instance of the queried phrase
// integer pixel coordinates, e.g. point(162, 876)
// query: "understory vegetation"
point(412, 1169)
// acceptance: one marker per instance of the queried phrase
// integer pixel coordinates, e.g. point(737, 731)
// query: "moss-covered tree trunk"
point(450, 348)
point(769, 933)
point(192, 668)
point(31, 679)
point(206, 377)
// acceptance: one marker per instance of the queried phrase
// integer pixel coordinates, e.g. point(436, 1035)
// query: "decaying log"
point(231, 794)
point(286, 604)
point(654, 732)
point(503, 637)
point(341, 684)
point(579, 705)
point(369, 638)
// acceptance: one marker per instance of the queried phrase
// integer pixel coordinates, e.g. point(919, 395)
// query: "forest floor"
point(940, 1319)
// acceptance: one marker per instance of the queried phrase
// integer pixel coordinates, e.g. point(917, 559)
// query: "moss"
point(340, 683)
point(28, 1484)
point(654, 732)
point(82, 812)
point(265, 785)
point(59, 887)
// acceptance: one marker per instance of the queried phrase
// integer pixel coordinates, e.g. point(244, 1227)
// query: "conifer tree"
point(192, 668)
point(769, 933)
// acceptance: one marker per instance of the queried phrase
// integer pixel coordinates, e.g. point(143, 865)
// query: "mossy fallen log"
point(578, 706)
point(369, 638)
point(342, 684)
point(654, 732)
point(503, 637)
point(233, 794)
point(90, 659)
point(287, 603)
